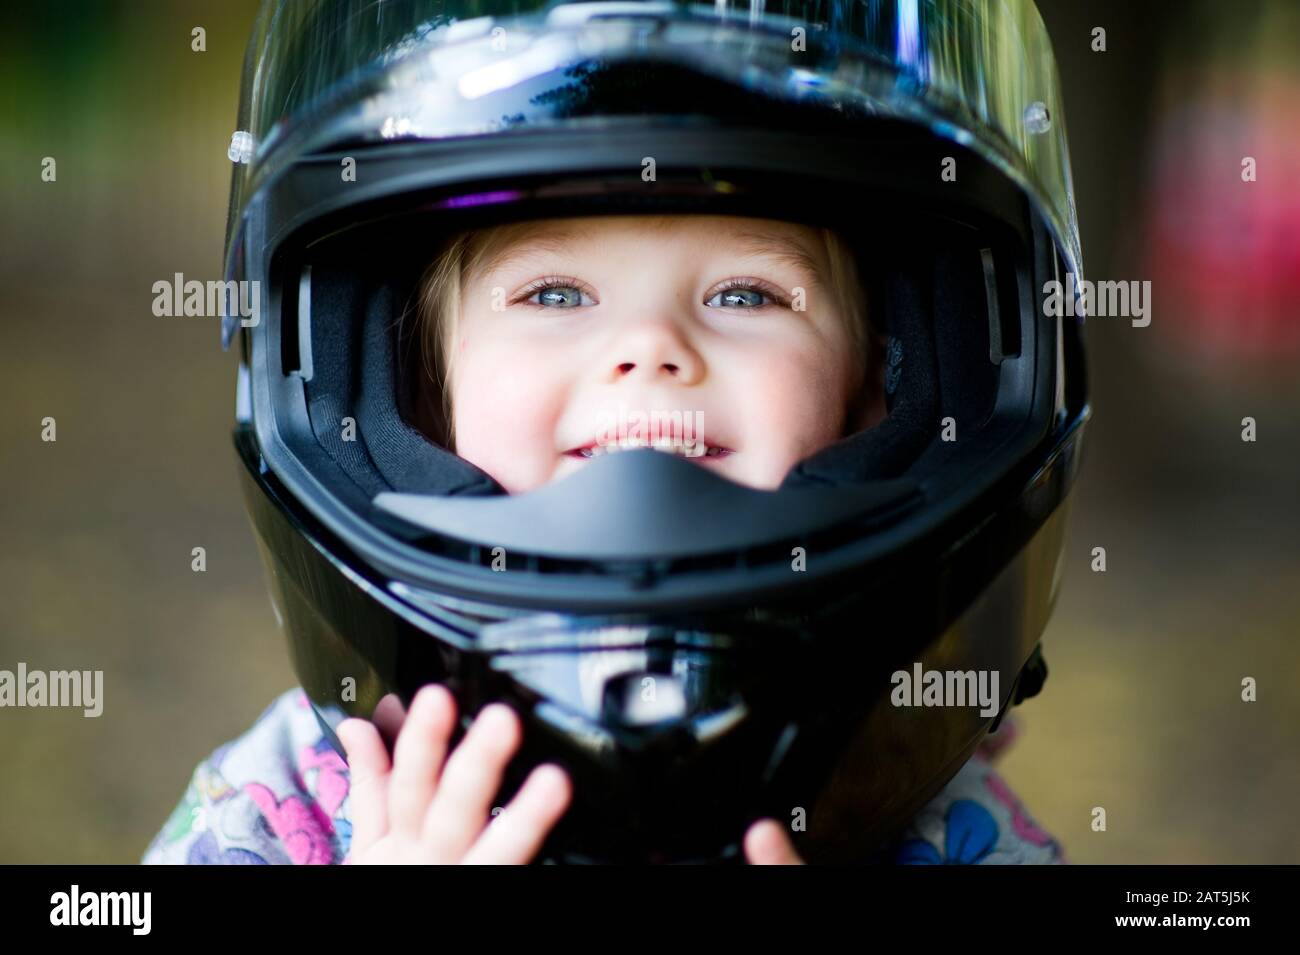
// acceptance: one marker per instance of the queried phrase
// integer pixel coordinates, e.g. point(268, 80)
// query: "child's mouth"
point(685, 449)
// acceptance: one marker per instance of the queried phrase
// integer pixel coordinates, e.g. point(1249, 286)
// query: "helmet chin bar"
point(679, 729)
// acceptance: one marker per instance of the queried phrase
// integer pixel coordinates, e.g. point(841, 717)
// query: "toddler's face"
point(579, 326)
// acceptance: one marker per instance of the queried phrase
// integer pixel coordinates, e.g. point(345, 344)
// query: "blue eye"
point(558, 295)
point(738, 297)
point(746, 295)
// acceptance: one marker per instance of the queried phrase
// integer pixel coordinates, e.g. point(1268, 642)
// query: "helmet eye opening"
point(944, 310)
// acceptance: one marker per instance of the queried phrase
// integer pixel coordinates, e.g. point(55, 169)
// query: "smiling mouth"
point(686, 449)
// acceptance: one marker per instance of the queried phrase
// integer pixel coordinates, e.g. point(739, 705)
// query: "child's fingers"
point(368, 769)
point(389, 715)
point(418, 757)
point(517, 833)
point(469, 782)
point(767, 843)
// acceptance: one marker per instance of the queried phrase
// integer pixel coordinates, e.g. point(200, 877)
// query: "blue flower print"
point(970, 834)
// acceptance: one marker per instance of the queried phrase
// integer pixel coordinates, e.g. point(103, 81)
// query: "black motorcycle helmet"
point(715, 653)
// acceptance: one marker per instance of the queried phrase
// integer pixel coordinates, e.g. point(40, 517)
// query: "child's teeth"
point(688, 449)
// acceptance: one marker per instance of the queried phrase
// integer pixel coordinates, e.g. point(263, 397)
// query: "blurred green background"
point(1141, 713)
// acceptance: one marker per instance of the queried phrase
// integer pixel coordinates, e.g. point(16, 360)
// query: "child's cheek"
point(505, 411)
point(800, 401)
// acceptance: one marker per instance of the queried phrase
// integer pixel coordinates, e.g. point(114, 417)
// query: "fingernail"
point(552, 776)
point(496, 716)
point(428, 695)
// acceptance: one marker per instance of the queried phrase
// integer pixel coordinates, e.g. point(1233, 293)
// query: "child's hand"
point(420, 811)
point(767, 843)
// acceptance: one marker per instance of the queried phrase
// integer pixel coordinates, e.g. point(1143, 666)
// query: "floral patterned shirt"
point(279, 795)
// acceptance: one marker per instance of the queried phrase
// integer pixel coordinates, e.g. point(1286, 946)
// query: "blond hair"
point(466, 253)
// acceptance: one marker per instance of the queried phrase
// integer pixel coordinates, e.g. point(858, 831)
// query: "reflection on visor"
point(605, 675)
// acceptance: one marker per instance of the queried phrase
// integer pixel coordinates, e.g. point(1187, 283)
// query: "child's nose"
point(657, 350)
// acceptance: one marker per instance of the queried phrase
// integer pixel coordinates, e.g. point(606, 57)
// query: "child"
point(536, 332)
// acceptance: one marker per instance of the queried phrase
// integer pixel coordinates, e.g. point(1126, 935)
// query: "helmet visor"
point(979, 73)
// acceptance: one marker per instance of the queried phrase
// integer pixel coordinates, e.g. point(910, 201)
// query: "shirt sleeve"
point(275, 796)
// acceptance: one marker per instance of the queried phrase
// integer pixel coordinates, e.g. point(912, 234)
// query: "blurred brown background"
point(1142, 711)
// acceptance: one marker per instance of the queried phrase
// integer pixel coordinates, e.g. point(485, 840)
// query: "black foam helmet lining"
point(354, 374)
point(932, 310)
point(927, 309)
